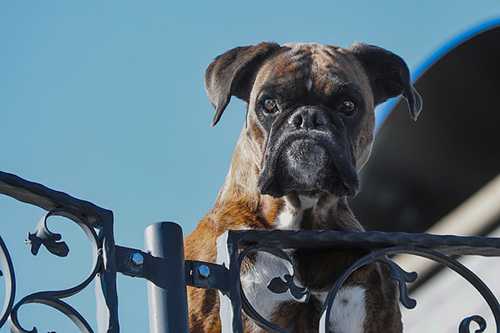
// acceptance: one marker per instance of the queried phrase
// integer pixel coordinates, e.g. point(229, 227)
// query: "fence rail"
point(167, 279)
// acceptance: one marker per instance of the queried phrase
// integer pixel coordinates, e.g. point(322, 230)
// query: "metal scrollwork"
point(108, 259)
point(96, 222)
point(51, 241)
point(10, 282)
point(277, 285)
point(403, 277)
point(380, 246)
point(43, 235)
point(465, 324)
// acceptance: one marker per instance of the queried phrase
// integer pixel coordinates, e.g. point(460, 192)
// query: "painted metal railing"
point(162, 264)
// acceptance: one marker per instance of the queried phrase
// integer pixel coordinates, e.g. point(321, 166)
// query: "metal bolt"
point(136, 259)
point(203, 271)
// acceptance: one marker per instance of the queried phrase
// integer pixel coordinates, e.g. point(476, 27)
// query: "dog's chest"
point(347, 315)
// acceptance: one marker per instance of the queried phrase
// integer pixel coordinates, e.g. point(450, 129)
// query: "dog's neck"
point(240, 194)
point(241, 180)
point(322, 212)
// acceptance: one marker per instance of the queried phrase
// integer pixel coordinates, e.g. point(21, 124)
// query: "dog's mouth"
point(306, 160)
point(307, 164)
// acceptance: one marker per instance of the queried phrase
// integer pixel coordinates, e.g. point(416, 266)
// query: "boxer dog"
point(309, 130)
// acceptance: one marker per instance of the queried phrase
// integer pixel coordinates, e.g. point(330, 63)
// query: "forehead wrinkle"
point(327, 66)
point(332, 68)
point(293, 64)
point(326, 61)
point(281, 74)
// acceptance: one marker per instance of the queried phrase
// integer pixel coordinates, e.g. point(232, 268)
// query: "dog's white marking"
point(290, 217)
point(288, 220)
point(348, 311)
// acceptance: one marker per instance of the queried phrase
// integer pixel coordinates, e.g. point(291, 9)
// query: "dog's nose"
point(308, 118)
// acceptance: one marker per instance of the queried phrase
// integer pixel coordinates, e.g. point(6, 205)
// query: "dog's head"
point(310, 110)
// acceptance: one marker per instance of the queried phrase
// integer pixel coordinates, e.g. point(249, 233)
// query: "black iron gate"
point(162, 263)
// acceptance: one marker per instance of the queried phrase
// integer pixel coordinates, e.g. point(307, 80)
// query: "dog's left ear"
point(232, 74)
point(388, 74)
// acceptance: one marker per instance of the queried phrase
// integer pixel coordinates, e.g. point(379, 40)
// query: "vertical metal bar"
point(105, 284)
point(230, 301)
point(167, 296)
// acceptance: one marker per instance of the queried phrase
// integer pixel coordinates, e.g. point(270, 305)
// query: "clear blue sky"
point(105, 100)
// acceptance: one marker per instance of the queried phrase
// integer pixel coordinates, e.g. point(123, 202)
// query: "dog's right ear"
point(233, 73)
point(388, 74)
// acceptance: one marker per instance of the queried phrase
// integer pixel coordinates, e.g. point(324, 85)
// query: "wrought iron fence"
point(168, 278)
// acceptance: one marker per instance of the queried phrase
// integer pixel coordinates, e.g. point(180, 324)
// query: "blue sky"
point(105, 100)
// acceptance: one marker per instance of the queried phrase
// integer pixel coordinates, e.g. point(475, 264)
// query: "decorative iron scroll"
point(52, 242)
point(96, 222)
point(381, 244)
point(233, 248)
point(277, 285)
point(10, 282)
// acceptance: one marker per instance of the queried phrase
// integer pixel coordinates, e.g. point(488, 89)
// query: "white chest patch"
point(348, 311)
point(290, 218)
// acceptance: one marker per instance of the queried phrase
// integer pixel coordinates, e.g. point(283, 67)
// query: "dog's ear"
point(233, 73)
point(388, 74)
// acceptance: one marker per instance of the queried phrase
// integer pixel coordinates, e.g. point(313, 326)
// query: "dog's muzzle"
point(307, 154)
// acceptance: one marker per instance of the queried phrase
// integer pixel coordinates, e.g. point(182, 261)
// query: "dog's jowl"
point(309, 130)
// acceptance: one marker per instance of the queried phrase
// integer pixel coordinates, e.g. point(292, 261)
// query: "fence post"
point(167, 297)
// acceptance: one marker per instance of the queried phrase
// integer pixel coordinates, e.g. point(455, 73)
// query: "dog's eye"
point(348, 107)
point(270, 105)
